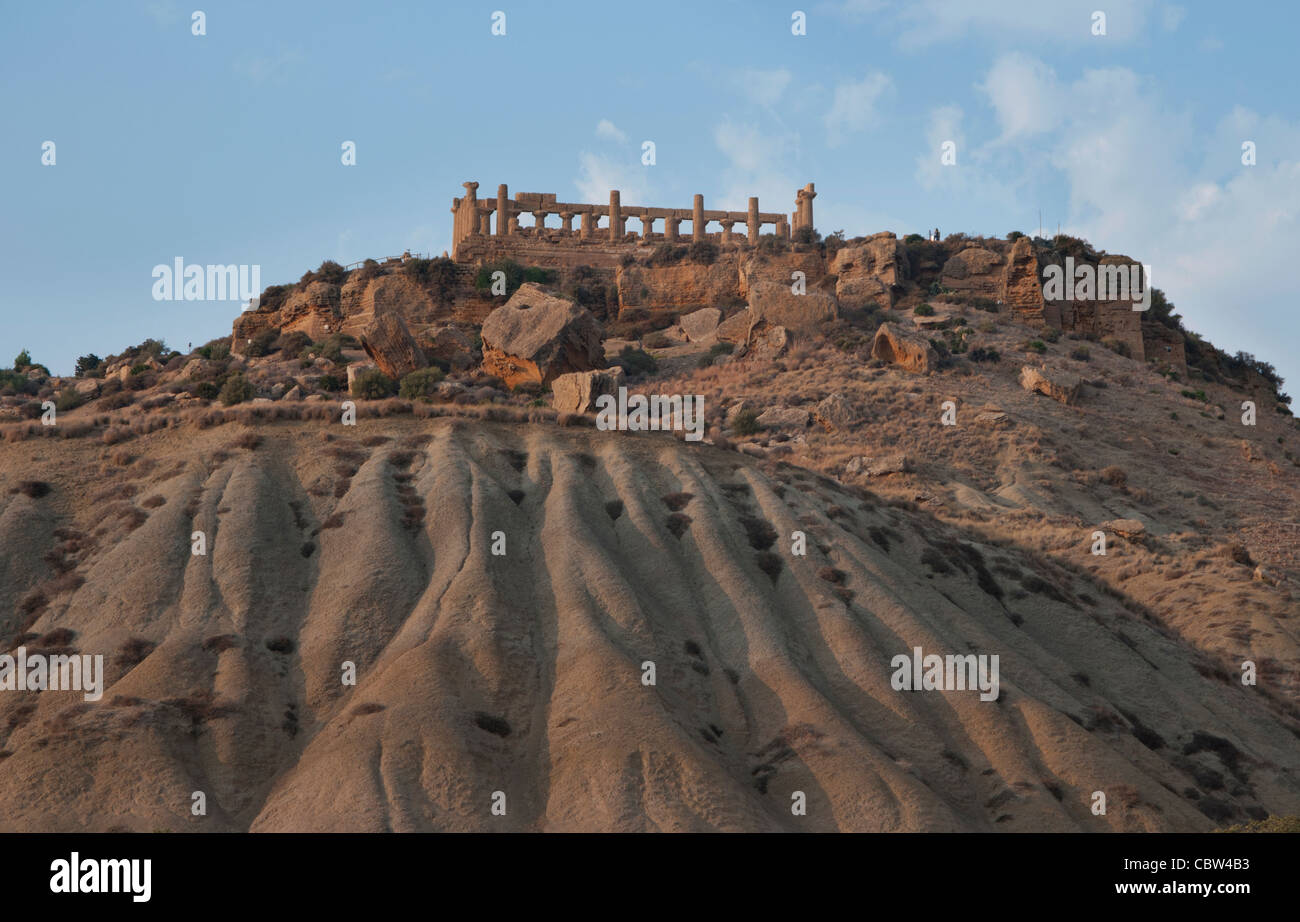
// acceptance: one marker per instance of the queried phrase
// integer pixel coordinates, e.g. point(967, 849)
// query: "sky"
point(227, 147)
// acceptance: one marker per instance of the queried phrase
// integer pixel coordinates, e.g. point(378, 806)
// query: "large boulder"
point(391, 347)
point(576, 392)
point(976, 272)
point(735, 329)
point(778, 305)
point(866, 273)
point(766, 341)
point(535, 337)
point(450, 345)
point(1061, 386)
point(702, 325)
point(904, 348)
point(835, 412)
point(358, 368)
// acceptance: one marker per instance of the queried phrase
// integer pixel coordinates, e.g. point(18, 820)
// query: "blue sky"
point(225, 147)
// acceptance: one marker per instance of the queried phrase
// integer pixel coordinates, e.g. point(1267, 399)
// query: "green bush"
point(437, 275)
point(373, 384)
point(924, 310)
point(88, 365)
point(980, 354)
point(913, 238)
point(1014, 236)
point(272, 298)
point(704, 252)
point(262, 344)
point(207, 390)
point(22, 360)
point(1051, 334)
point(292, 343)
point(1035, 345)
point(68, 400)
point(638, 361)
point(216, 350)
point(330, 383)
point(331, 272)
point(513, 271)
point(420, 383)
point(745, 422)
point(1196, 395)
point(237, 389)
point(1080, 354)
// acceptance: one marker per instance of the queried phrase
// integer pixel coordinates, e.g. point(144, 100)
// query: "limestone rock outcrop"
point(777, 304)
point(909, 350)
point(535, 337)
point(866, 273)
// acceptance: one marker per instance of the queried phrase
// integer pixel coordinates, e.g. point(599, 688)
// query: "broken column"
point(697, 218)
point(503, 210)
point(615, 217)
point(753, 220)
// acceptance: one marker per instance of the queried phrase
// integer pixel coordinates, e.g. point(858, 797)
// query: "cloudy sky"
point(226, 147)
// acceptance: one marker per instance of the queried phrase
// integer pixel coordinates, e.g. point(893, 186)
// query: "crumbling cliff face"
point(666, 281)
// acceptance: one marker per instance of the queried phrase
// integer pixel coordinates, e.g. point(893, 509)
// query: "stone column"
point(503, 210)
point(697, 218)
point(753, 221)
point(615, 217)
point(726, 232)
point(647, 225)
point(782, 228)
point(670, 229)
point(512, 227)
point(566, 223)
point(587, 224)
point(539, 222)
point(485, 222)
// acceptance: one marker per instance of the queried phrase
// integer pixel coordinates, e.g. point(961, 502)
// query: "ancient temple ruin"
point(489, 228)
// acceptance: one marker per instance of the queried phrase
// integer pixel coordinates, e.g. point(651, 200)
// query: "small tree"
point(237, 389)
point(22, 360)
point(87, 365)
point(373, 385)
point(420, 383)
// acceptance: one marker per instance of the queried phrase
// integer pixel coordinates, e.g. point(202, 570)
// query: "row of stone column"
point(508, 223)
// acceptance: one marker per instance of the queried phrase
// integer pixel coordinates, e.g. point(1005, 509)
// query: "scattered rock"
point(1061, 386)
point(992, 417)
point(536, 337)
point(357, 368)
point(906, 349)
point(391, 346)
point(735, 328)
point(766, 342)
point(784, 418)
point(450, 345)
point(577, 391)
point(88, 387)
point(1131, 529)
point(898, 463)
point(293, 393)
point(835, 412)
point(752, 449)
point(701, 326)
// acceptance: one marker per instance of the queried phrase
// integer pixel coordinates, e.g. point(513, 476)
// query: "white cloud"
point(763, 87)
point(926, 22)
point(758, 164)
point(598, 174)
point(606, 131)
point(854, 106)
point(1172, 17)
point(1025, 95)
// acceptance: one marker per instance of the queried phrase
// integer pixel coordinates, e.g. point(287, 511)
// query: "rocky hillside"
point(522, 672)
point(502, 576)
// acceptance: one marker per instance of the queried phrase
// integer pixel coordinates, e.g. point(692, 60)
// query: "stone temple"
point(489, 228)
